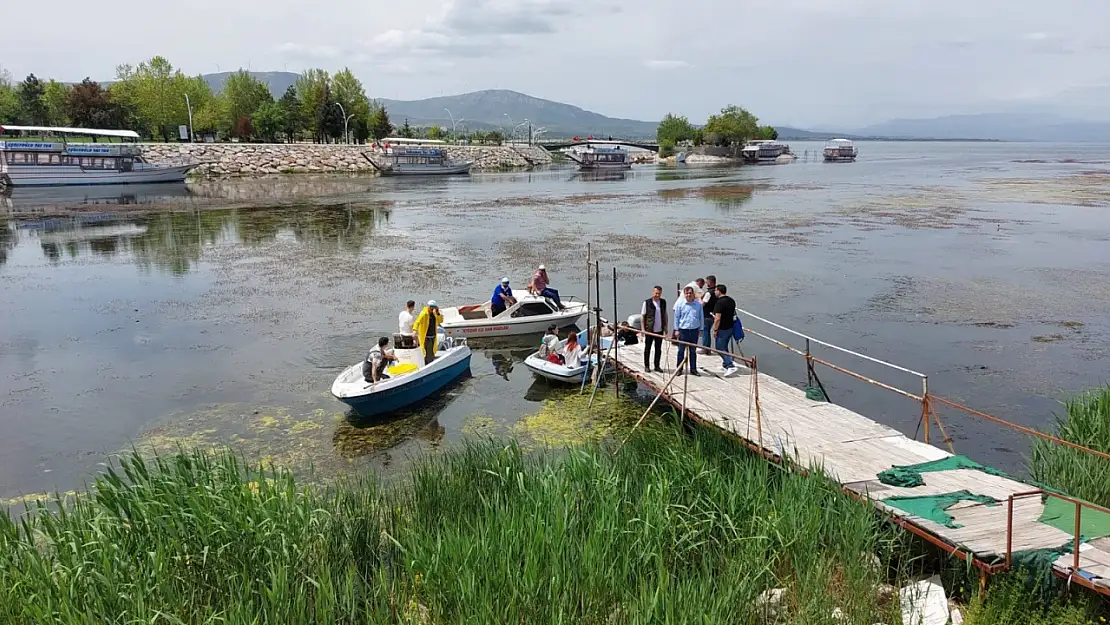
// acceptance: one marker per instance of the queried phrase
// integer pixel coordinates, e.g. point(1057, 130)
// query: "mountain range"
point(493, 108)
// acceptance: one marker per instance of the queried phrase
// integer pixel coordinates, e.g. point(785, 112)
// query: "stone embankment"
point(253, 159)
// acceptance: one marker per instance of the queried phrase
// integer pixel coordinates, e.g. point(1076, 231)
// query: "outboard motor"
point(635, 321)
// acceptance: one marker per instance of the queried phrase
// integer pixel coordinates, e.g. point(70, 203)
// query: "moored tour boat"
point(840, 151)
point(766, 151)
point(531, 314)
point(422, 161)
point(411, 379)
point(601, 159)
point(61, 163)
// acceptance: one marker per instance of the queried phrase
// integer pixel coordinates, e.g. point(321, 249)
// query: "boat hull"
point(63, 176)
point(415, 388)
point(510, 327)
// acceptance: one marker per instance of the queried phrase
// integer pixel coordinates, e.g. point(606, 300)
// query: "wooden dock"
point(778, 420)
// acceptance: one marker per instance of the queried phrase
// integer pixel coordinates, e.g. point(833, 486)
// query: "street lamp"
point(452, 119)
point(346, 118)
point(523, 123)
point(510, 119)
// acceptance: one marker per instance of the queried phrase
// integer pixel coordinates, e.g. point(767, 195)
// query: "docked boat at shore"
point(568, 373)
point(766, 152)
point(531, 314)
point(62, 163)
point(411, 379)
point(601, 159)
point(840, 151)
point(422, 161)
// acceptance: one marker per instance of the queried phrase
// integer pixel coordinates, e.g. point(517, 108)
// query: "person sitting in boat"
point(424, 328)
point(627, 334)
point(541, 286)
point(373, 368)
point(404, 322)
point(502, 298)
point(549, 345)
point(572, 351)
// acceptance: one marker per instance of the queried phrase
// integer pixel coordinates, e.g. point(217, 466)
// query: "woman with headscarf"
point(424, 328)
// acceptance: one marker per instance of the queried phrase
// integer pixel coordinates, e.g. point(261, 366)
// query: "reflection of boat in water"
point(531, 314)
point(26, 197)
point(601, 175)
point(59, 163)
point(411, 379)
point(840, 151)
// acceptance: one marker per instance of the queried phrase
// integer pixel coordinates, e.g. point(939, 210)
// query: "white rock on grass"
point(924, 603)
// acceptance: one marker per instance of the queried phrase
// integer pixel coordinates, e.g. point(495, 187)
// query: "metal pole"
point(925, 406)
point(589, 293)
point(597, 312)
point(613, 338)
point(188, 105)
point(809, 365)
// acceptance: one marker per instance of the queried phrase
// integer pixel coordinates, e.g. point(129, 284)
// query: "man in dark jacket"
point(654, 319)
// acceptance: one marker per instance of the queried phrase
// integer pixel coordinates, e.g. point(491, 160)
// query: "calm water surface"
point(220, 312)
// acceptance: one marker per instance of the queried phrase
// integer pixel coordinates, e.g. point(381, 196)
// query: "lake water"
point(221, 311)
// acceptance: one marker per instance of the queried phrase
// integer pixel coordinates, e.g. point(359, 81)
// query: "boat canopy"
point(92, 132)
point(841, 141)
point(404, 140)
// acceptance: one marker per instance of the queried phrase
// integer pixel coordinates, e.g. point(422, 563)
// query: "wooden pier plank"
point(853, 449)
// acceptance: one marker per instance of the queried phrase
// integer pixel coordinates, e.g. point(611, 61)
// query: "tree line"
point(153, 98)
point(734, 125)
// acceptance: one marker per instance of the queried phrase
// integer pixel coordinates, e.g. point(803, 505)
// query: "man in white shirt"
point(373, 368)
point(404, 321)
point(698, 286)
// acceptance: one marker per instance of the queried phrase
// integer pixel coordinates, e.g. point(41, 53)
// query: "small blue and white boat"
point(570, 373)
point(410, 381)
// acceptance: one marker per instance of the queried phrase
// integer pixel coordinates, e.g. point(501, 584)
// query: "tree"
point(768, 132)
point(244, 94)
point(32, 110)
point(87, 105)
point(313, 92)
point(9, 99)
point(291, 114)
point(674, 129)
point(157, 92)
point(54, 98)
point(406, 130)
point(434, 132)
point(380, 126)
point(210, 117)
point(269, 120)
point(734, 125)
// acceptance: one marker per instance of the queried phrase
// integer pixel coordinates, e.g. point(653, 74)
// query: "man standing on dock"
point(724, 314)
point(708, 304)
point(654, 315)
point(698, 286)
point(688, 320)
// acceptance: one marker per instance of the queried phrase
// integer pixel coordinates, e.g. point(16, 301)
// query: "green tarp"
point(933, 507)
point(1061, 515)
point(909, 475)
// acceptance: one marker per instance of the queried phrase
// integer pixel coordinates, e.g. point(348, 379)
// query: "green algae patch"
point(571, 420)
point(481, 426)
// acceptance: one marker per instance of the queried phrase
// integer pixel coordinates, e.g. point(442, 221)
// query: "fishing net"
point(814, 393)
point(934, 507)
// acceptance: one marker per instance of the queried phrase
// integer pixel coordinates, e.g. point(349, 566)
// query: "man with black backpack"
point(724, 316)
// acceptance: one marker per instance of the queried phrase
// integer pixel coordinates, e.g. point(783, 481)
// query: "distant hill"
point(998, 126)
point(278, 82)
point(489, 108)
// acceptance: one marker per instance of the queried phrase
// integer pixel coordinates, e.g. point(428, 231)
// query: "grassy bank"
point(1086, 422)
point(668, 529)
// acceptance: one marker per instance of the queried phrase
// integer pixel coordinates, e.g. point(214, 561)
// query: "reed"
point(1087, 422)
point(672, 529)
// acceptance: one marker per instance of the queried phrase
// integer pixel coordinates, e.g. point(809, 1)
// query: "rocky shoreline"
point(253, 159)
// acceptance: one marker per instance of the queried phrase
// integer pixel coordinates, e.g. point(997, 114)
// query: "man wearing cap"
point(540, 286)
point(425, 327)
point(502, 297)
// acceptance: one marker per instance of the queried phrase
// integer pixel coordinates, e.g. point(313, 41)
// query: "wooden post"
point(925, 406)
point(758, 410)
point(613, 340)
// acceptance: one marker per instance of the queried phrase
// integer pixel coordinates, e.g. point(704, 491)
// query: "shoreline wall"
point(251, 159)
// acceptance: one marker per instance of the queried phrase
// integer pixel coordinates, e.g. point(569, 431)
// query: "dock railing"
point(1077, 533)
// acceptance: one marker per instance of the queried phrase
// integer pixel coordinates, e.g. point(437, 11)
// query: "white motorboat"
point(531, 314)
point(766, 151)
point(60, 163)
point(411, 379)
point(570, 373)
point(840, 151)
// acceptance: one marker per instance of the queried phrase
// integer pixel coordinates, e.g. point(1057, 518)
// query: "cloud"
point(662, 66)
point(309, 51)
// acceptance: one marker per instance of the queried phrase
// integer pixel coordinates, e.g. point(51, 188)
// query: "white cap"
point(542, 268)
point(432, 303)
point(504, 280)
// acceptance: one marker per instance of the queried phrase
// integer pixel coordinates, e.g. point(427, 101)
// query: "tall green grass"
point(673, 529)
point(1075, 472)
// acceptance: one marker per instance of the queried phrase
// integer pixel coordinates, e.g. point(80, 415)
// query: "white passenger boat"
point(61, 163)
point(601, 159)
point(840, 151)
point(411, 379)
point(570, 373)
point(531, 314)
point(422, 161)
point(766, 151)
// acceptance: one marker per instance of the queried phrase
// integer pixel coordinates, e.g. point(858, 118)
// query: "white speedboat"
point(570, 373)
point(60, 163)
point(411, 379)
point(531, 314)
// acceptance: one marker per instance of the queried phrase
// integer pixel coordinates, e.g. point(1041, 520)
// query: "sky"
point(805, 63)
